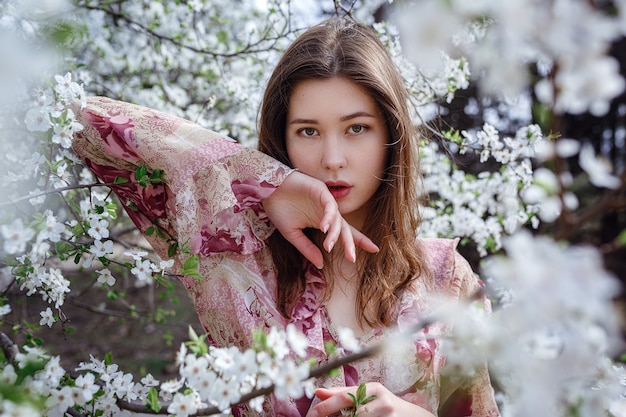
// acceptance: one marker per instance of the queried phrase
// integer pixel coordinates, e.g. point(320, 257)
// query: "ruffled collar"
point(311, 299)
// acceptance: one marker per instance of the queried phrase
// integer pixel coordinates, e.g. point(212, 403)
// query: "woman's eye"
point(356, 129)
point(308, 131)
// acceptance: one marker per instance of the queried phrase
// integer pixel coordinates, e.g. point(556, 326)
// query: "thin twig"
point(55, 191)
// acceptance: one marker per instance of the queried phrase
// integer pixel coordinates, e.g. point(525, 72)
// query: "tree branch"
point(249, 48)
point(9, 348)
point(315, 372)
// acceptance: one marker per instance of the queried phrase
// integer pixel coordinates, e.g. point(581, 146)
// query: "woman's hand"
point(302, 202)
point(386, 404)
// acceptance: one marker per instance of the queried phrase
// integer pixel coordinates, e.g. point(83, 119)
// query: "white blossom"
point(183, 405)
point(47, 318)
point(52, 230)
point(11, 409)
point(143, 272)
point(276, 342)
point(599, 170)
point(348, 340)
point(105, 277)
point(149, 381)
point(4, 310)
point(38, 120)
point(297, 340)
point(289, 380)
point(100, 249)
point(98, 228)
point(16, 236)
point(66, 88)
point(86, 385)
point(223, 394)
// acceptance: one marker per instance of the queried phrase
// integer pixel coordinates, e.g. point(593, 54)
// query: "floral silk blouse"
point(211, 203)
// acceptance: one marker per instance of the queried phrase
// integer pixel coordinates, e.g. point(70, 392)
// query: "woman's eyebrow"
point(343, 118)
point(303, 121)
point(355, 115)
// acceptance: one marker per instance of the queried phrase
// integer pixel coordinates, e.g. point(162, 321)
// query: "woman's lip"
point(337, 184)
point(338, 189)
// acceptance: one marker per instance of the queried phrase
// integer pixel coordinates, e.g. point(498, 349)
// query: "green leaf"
point(360, 398)
point(172, 249)
point(222, 36)
point(330, 348)
point(141, 172)
point(157, 176)
point(111, 209)
point(542, 114)
point(65, 34)
point(190, 268)
point(196, 343)
point(191, 262)
point(62, 249)
point(77, 257)
point(453, 135)
point(361, 392)
point(152, 401)
point(108, 358)
point(120, 180)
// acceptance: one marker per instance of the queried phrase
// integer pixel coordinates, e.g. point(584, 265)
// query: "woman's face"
point(336, 133)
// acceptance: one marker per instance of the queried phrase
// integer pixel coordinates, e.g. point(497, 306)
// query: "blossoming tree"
point(553, 339)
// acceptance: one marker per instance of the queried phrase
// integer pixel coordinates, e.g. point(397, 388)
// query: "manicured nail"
point(319, 266)
point(331, 244)
point(325, 230)
point(353, 253)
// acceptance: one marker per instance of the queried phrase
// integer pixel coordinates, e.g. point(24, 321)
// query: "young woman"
point(337, 163)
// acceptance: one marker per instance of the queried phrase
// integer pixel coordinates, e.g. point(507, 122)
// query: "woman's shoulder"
point(439, 255)
point(448, 269)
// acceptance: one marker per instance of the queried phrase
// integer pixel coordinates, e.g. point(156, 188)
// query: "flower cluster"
point(559, 360)
point(209, 376)
point(425, 84)
point(221, 376)
point(550, 193)
point(487, 206)
point(566, 41)
point(204, 61)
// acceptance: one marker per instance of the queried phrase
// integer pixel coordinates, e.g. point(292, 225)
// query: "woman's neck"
point(341, 304)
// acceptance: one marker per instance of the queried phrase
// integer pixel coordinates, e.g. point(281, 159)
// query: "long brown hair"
point(339, 47)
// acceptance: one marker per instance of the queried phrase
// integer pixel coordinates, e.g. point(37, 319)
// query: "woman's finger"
point(363, 241)
point(307, 248)
point(333, 401)
point(349, 249)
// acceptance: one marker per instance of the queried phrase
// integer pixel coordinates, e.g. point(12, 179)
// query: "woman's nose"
point(333, 153)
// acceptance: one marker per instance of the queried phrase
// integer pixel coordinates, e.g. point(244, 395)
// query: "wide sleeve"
point(474, 396)
point(454, 279)
point(181, 184)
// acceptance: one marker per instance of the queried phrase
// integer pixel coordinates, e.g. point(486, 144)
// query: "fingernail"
point(319, 266)
point(331, 244)
point(325, 228)
point(353, 253)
